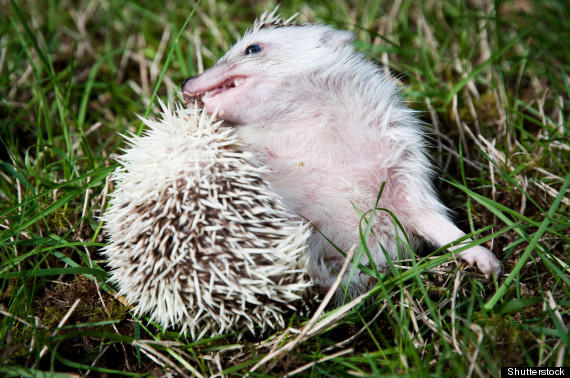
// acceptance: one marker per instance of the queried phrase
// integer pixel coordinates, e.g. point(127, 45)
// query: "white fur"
point(331, 128)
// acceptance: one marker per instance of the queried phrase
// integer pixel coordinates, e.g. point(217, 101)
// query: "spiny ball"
point(197, 239)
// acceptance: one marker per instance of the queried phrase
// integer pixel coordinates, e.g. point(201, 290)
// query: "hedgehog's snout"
point(186, 82)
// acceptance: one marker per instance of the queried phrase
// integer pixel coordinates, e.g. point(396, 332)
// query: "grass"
point(490, 78)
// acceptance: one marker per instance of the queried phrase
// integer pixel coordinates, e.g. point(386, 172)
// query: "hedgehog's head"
point(255, 78)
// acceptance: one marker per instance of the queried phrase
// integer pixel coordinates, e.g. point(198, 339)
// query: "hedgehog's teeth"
point(206, 95)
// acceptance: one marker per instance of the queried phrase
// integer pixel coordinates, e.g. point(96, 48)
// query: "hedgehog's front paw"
point(484, 259)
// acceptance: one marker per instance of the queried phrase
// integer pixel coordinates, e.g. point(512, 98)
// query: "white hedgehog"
point(197, 239)
point(332, 128)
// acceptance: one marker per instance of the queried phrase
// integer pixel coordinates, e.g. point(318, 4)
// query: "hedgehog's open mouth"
point(210, 93)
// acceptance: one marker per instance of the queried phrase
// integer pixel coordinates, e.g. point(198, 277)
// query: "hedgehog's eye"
point(252, 49)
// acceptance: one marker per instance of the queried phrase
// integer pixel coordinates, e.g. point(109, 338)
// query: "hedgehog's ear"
point(337, 38)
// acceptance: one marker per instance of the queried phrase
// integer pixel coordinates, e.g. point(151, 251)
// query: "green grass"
point(493, 83)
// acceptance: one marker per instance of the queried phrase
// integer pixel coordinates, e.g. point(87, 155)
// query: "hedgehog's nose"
point(186, 81)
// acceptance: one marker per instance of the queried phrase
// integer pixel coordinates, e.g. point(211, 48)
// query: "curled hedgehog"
point(197, 238)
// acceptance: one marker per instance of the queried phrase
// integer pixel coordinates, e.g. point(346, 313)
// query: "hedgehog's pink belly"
point(311, 187)
point(328, 197)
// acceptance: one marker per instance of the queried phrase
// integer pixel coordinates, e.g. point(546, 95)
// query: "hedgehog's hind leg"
point(439, 230)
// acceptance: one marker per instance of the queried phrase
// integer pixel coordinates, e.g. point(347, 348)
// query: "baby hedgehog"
point(331, 128)
point(197, 238)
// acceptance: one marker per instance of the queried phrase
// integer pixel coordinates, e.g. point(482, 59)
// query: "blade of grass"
point(166, 63)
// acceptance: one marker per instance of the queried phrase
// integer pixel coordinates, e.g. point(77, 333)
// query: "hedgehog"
point(332, 129)
point(197, 239)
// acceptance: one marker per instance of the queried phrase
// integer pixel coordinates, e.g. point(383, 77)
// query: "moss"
point(486, 110)
point(511, 342)
point(57, 301)
point(53, 315)
point(116, 312)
